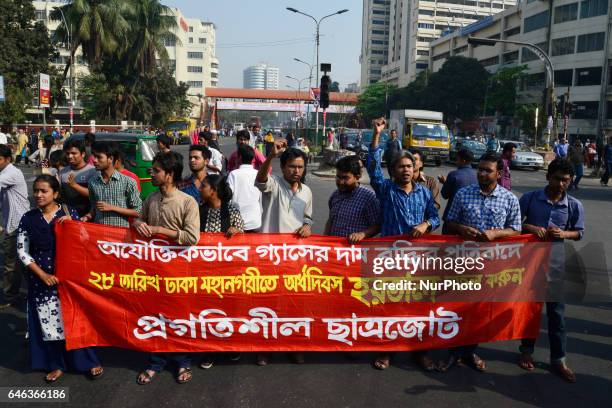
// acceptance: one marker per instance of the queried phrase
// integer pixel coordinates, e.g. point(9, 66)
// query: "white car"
point(525, 158)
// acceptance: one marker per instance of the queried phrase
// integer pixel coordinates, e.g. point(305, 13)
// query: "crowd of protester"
point(87, 181)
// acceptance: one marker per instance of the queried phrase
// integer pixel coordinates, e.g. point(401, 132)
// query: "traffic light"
point(324, 98)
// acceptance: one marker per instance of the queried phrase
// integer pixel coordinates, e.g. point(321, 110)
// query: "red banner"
point(276, 292)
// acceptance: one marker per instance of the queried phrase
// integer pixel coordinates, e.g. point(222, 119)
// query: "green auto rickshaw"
point(139, 150)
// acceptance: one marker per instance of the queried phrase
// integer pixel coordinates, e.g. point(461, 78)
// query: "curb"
point(323, 174)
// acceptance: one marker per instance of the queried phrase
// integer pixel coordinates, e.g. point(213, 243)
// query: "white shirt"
point(13, 197)
point(215, 160)
point(3, 138)
point(284, 210)
point(246, 197)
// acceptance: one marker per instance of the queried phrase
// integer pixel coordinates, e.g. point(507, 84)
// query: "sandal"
point(184, 375)
point(49, 378)
point(207, 362)
point(95, 373)
point(145, 377)
point(474, 361)
point(382, 362)
point(526, 362)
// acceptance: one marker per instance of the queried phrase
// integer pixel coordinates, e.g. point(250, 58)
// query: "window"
point(190, 40)
point(380, 32)
point(194, 84)
point(379, 52)
point(527, 55)
point(536, 22)
point(534, 81)
point(194, 69)
point(564, 77)
point(510, 57)
point(585, 110)
point(381, 2)
point(40, 15)
point(425, 39)
point(421, 65)
point(214, 75)
point(379, 42)
point(569, 12)
point(499, 6)
point(190, 29)
point(380, 12)
point(563, 46)
point(490, 61)
point(592, 8)
point(460, 49)
point(494, 37)
point(426, 12)
point(512, 31)
point(441, 56)
point(591, 42)
point(426, 25)
point(375, 71)
point(202, 40)
point(588, 76)
point(422, 52)
point(214, 66)
point(213, 83)
point(169, 41)
point(381, 22)
point(195, 55)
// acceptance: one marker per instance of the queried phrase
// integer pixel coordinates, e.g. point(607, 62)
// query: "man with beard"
point(114, 197)
point(482, 212)
point(199, 157)
point(75, 177)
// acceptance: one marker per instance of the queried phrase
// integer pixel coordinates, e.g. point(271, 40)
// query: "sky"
point(252, 31)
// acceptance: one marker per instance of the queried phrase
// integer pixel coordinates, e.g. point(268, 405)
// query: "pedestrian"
point(561, 148)
point(3, 138)
point(41, 156)
point(214, 140)
point(419, 176)
point(492, 143)
point(591, 153)
point(482, 212)
point(114, 197)
point(464, 176)
point(22, 148)
point(393, 147)
point(74, 178)
point(290, 139)
point(14, 202)
point(269, 141)
point(57, 161)
point(246, 197)
point(215, 163)
point(199, 157)
point(508, 154)
point(36, 249)
point(286, 202)
point(89, 139)
point(163, 143)
point(343, 139)
point(354, 210)
point(242, 137)
point(174, 215)
point(119, 164)
point(577, 156)
point(606, 162)
point(407, 208)
point(553, 215)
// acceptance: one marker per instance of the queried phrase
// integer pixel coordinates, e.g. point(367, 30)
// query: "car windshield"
point(473, 144)
point(366, 136)
point(148, 148)
point(429, 131)
point(176, 125)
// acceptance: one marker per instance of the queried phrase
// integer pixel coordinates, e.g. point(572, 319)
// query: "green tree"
point(25, 52)
point(374, 101)
point(414, 95)
point(502, 90)
point(526, 114)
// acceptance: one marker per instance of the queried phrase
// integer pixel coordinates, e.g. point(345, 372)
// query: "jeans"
point(157, 361)
point(606, 176)
point(578, 173)
point(557, 336)
point(13, 268)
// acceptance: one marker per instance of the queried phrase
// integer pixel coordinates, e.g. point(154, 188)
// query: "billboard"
point(44, 95)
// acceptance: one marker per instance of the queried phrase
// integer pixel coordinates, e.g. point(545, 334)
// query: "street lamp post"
point(299, 92)
point(540, 54)
point(317, 38)
point(71, 107)
point(310, 66)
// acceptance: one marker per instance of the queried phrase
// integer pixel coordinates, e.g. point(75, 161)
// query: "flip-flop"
point(382, 363)
point(93, 376)
point(144, 378)
point(526, 362)
point(52, 380)
point(189, 375)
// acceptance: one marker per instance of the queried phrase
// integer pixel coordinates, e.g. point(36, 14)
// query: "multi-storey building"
point(576, 36)
point(410, 26)
point(374, 40)
point(261, 76)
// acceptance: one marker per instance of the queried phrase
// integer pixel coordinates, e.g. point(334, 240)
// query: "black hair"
point(116, 152)
point(76, 144)
point(219, 184)
point(293, 153)
point(102, 148)
point(89, 138)
point(414, 151)
point(243, 134)
point(206, 153)
point(508, 146)
point(5, 151)
point(48, 141)
point(207, 135)
point(246, 154)
point(170, 162)
point(57, 158)
point(395, 159)
point(465, 155)
point(560, 165)
point(350, 164)
point(493, 158)
point(165, 140)
point(51, 180)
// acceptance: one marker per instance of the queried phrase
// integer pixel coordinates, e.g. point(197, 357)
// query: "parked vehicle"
point(359, 141)
point(184, 127)
point(424, 130)
point(139, 150)
point(477, 149)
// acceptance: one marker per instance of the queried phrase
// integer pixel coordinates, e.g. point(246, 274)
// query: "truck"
point(184, 127)
point(424, 130)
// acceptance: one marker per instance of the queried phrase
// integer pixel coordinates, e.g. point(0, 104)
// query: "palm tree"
point(151, 23)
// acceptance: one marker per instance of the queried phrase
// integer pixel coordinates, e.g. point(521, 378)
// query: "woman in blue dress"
point(36, 249)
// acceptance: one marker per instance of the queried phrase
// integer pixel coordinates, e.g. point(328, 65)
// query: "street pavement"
point(336, 379)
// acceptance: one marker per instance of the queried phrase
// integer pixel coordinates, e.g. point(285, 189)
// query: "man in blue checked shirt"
point(553, 215)
point(482, 212)
point(408, 208)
